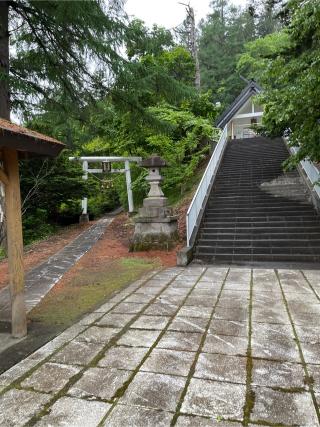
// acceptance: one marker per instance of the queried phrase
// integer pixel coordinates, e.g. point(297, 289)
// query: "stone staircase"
point(256, 212)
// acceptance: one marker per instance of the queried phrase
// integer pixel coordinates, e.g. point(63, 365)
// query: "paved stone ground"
point(186, 347)
point(42, 278)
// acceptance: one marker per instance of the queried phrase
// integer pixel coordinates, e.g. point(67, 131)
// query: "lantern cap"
point(154, 161)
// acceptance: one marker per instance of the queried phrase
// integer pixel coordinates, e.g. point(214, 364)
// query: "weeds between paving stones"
point(193, 366)
point(312, 288)
point(299, 348)
point(74, 379)
point(71, 298)
point(122, 390)
point(250, 395)
point(110, 344)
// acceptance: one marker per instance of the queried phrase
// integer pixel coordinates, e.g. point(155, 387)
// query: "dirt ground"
point(106, 268)
point(113, 245)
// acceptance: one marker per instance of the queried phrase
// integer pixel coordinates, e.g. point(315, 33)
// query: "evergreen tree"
point(287, 65)
point(58, 47)
point(223, 35)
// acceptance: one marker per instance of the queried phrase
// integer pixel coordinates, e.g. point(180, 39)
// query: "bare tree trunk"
point(190, 34)
point(4, 97)
point(194, 46)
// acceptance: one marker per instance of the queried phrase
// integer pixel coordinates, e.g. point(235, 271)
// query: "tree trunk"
point(4, 61)
point(4, 97)
point(194, 46)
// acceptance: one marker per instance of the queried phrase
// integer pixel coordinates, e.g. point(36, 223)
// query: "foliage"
point(53, 44)
point(78, 102)
point(46, 187)
point(183, 142)
point(36, 226)
point(288, 66)
point(224, 34)
point(70, 81)
point(260, 54)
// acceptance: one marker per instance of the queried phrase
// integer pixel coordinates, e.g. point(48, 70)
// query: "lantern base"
point(154, 233)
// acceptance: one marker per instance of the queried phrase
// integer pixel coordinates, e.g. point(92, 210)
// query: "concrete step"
point(269, 250)
point(259, 243)
point(247, 258)
point(245, 221)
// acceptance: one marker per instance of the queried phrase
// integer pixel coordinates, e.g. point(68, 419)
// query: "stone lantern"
point(155, 226)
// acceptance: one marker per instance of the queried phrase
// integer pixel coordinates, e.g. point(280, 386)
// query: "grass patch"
point(90, 288)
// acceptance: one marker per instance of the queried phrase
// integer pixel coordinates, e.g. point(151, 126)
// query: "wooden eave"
point(28, 142)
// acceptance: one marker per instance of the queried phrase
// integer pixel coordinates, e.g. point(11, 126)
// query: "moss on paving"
point(250, 395)
point(88, 290)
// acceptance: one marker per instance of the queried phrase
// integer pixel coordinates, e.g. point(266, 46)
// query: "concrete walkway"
point(42, 278)
point(184, 347)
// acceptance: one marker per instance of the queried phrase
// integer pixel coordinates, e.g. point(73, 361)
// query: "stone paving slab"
point(286, 408)
point(195, 421)
point(124, 415)
point(99, 383)
point(219, 367)
point(169, 362)
point(216, 399)
point(41, 279)
point(153, 355)
point(155, 391)
point(19, 406)
point(284, 375)
point(75, 412)
point(50, 377)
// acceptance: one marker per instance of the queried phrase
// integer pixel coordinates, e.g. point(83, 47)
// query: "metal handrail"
point(198, 200)
point(311, 170)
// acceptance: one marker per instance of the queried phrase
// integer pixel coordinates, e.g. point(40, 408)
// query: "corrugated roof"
point(251, 89)
point(28, 141)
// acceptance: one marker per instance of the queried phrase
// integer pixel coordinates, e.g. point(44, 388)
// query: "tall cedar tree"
point(57, 47)
point(224, 34)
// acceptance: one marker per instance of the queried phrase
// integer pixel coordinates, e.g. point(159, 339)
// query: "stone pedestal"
point(155, 226)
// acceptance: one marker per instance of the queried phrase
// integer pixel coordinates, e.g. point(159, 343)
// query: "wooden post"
point(15, 243)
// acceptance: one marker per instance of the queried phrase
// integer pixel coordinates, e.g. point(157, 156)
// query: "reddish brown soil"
point(181, 211)
point(114, 244)
point(39, 252)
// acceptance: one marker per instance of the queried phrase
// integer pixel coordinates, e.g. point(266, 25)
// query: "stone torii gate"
point(17, 142)
point(106, 167)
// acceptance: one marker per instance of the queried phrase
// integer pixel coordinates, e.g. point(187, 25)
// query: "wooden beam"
point(15, 242)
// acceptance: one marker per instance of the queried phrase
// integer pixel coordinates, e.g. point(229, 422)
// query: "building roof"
point(28, 142)
point(250, 90)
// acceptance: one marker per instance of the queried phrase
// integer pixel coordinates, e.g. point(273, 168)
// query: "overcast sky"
point(167, 13)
